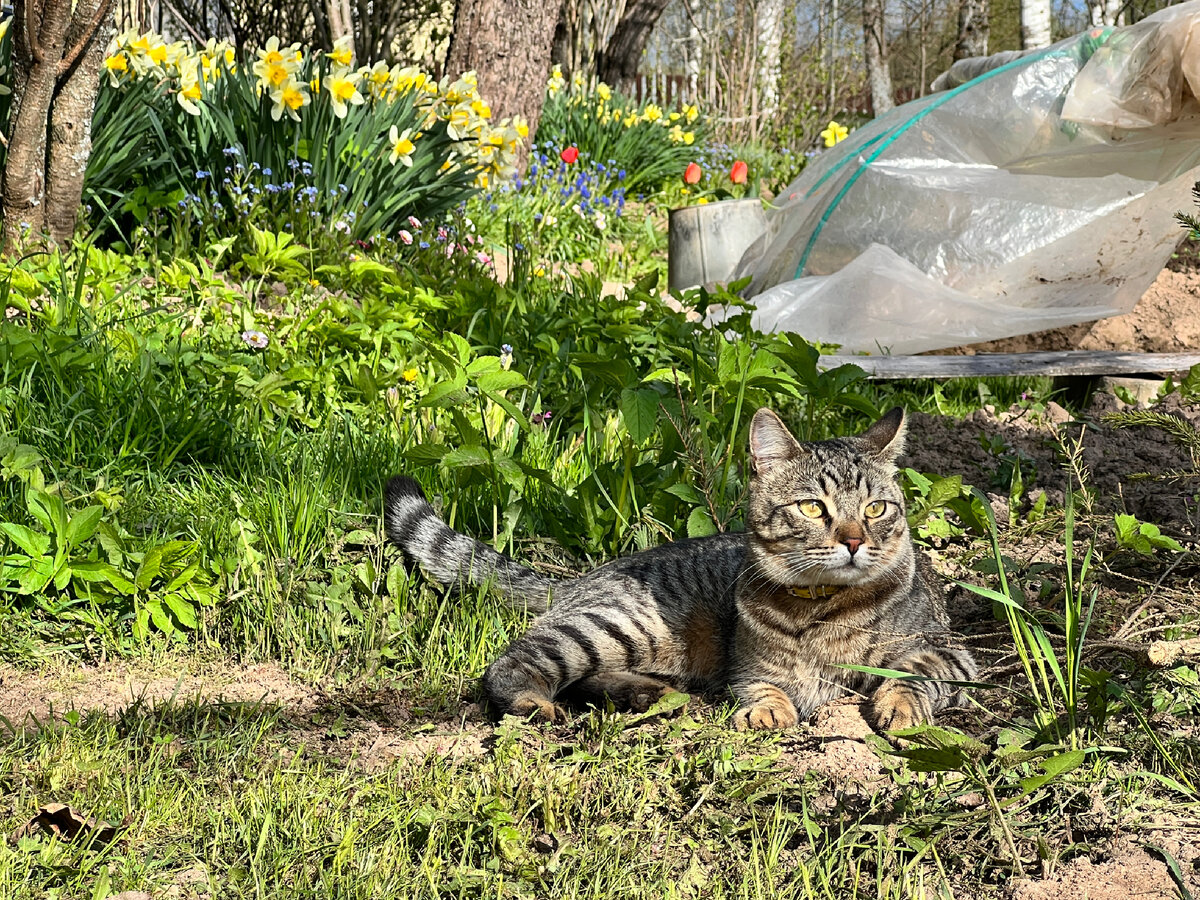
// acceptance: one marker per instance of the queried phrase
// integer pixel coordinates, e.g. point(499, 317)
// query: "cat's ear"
point(770, 441)
point(885, 439)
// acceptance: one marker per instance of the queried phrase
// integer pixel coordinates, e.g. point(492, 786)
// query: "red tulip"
point(739, 172)
point(691, 175)
point(570, 155)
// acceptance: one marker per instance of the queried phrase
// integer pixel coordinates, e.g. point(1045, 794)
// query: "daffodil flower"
point(402, 146)
point(343, 51)
point(289, 98)
point(342, 85)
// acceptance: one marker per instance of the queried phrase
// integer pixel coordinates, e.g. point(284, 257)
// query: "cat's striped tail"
point(450, 557)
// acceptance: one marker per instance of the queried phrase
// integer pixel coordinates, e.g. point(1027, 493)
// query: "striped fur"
point(715, 613)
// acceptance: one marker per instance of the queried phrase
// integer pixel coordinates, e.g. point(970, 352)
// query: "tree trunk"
point(769, 15)
point(878, 75)
point(1106, 12)
point(507, 44)
point(56, 74)
point(71, 119)
point(623, 54)
point(972, 29)
point(40, 32)
point(1035, 24)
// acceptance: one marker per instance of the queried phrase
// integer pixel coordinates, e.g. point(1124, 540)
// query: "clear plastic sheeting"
point(1040, 193)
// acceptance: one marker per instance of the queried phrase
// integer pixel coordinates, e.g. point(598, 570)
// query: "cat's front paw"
point(773, 711)
point(898, 705)
point(530, 704)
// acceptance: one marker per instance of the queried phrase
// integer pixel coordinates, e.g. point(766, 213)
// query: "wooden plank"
point(1065, 362)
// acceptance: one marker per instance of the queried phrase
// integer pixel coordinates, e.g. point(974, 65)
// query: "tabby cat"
point(824, 575)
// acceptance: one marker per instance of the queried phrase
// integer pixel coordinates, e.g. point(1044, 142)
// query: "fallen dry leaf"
point(61, 821)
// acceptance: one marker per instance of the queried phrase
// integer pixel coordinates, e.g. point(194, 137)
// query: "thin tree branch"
point(35, 49)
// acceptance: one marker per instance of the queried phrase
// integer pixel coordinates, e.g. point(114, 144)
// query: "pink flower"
point(405, 236)
point(415, 223)
point(483, 258)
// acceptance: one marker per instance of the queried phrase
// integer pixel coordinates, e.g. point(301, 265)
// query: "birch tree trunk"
point(769, 15)
point(1035, 24)
point(879, 77)
point(972, 29)
point(1106, 12)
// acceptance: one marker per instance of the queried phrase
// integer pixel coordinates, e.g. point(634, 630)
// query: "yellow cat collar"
point(814, 591)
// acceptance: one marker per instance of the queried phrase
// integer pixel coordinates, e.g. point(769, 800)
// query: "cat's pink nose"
point(853, 544)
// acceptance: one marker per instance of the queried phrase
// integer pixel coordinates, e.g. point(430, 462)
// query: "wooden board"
point(1065, 362)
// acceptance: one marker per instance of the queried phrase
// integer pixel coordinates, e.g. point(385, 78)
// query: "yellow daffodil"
point(343, 51)
point(189, 92)
point(674, 117)
point(604, 92)
point(458, 123)
point(402, 146)
point(651, 113)
point(289, 98)
point(481, 109)
point(834, 133)
point(691, 113)
point(342, 86)
point(116, 66)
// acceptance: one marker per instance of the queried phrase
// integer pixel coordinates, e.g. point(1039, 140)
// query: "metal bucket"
point(705, 243)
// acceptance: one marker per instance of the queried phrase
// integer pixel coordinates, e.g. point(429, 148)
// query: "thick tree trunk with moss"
point(507, 43)
point(55, 78)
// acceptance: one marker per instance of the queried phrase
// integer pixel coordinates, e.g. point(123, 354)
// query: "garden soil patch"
point(1129, 872)
point(983, 447)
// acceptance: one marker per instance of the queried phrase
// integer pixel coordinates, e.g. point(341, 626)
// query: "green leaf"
point(181, 608)
point(83, 525)
point(686, 493)
point(700, 523)
point(159, 616)
point(639, 409)
point(32, 542)
point(36, 576)
point(500, 381)
point(103, 572)
point(467, 457)
point(944, 490)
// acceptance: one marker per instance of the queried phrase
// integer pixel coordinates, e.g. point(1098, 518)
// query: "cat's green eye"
point(814, 509)
point(875, 509)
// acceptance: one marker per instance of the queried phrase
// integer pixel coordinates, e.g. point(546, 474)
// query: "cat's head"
point(826, 512)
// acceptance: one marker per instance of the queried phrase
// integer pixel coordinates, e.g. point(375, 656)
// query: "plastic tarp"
point(1039, 193)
